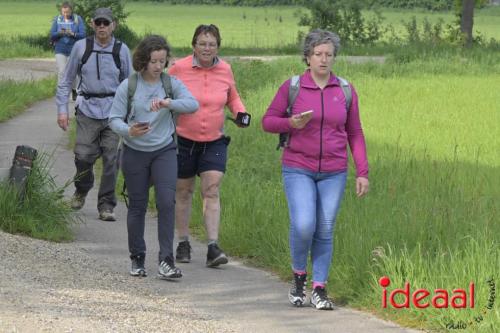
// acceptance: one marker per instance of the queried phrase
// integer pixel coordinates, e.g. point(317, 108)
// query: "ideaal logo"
point(439, 299)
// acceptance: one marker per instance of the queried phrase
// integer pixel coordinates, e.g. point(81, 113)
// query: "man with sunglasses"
point(101, 75)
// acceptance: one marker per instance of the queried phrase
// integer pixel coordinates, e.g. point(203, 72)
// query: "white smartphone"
point(305, 113)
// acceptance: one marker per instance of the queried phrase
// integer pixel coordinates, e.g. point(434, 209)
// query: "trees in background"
point(467, 21)
point(86, 8)
point(344, 18)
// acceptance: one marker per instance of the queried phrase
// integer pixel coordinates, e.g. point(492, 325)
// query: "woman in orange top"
point(201, 141)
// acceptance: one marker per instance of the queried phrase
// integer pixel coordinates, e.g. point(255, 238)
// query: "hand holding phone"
point(300, 120)
point(139, 128)
point(243, 119)
point(142, 124)
point(306, 113)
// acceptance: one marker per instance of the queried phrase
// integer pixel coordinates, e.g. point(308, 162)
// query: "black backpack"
point(89, 49)
point(293, 92)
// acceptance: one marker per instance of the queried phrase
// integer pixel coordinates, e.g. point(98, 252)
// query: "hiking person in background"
point(314, 162)
point(66, 29)
point(202, 143)
point(102, 63)
point(142, 114)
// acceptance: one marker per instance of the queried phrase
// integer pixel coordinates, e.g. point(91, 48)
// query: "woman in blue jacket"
point(66, 29)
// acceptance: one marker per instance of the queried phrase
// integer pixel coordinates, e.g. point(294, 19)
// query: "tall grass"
point(15, 97)
point(431, 217)
point(43, 213)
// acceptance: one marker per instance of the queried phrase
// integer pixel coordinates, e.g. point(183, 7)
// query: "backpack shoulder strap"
point(346, 89)
point(116, 57)
point(132, 86)
point(293, 92)
point(89, 47)
point(166, 81)
point(116, 53)
point(167, 84)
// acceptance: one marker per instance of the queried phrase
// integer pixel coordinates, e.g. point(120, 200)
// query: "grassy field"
point(15, 97)
point(241, 27)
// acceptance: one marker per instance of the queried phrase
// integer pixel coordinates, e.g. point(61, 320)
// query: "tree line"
point(433, 5)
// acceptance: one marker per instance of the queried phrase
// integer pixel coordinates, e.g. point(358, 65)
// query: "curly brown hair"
point(142, 54)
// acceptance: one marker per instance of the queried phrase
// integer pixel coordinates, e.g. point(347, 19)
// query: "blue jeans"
point(313, 202)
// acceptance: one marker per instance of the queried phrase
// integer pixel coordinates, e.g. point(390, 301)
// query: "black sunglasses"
point(100, 22)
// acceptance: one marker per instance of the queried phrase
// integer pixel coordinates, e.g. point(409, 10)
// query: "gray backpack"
point(293, 92)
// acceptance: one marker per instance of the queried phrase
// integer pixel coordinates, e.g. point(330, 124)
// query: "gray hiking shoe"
point(297, 293)
point(167, 270)
point(107, 215)
point(320, 300)
point(138, 268)
point(77, 201)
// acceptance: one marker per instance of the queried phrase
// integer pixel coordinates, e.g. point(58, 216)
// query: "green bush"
point(86, 8)
point(345, 19)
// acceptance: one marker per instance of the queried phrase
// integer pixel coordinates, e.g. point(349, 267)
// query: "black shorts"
point(196, 157)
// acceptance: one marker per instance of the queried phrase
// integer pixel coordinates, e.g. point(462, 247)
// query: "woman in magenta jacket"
point(315, 162)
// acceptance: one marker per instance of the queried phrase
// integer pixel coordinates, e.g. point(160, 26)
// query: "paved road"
point(236, 297)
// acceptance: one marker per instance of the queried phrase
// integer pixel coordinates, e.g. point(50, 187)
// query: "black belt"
point(87, 96)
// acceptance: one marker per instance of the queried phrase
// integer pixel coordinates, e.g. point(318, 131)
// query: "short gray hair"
point(317, 37)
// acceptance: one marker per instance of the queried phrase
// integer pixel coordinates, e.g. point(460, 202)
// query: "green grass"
point(43, 213)
point(486, 20)
point(15, 97)
point(244, 30)
point(257, 27)
point(433, 208)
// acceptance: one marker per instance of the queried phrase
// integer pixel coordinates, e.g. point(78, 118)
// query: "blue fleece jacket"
point(65, 33)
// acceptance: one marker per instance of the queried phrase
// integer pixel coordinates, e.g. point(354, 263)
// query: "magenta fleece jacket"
point(321, 146)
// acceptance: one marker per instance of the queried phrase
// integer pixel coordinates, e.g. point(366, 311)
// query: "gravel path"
point(84, 286)
point(47, 287)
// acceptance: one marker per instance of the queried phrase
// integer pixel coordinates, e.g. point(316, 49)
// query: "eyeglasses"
point(100, 22)
point(205, 45)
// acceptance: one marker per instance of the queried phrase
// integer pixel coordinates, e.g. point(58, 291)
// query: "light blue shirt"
point(99, 76)
point(162, 124)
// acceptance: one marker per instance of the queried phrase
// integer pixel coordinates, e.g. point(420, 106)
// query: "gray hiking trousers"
point(95, 139)
point(139, 169)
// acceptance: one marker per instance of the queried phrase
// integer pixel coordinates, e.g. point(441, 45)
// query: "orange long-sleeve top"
point(214, 88)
